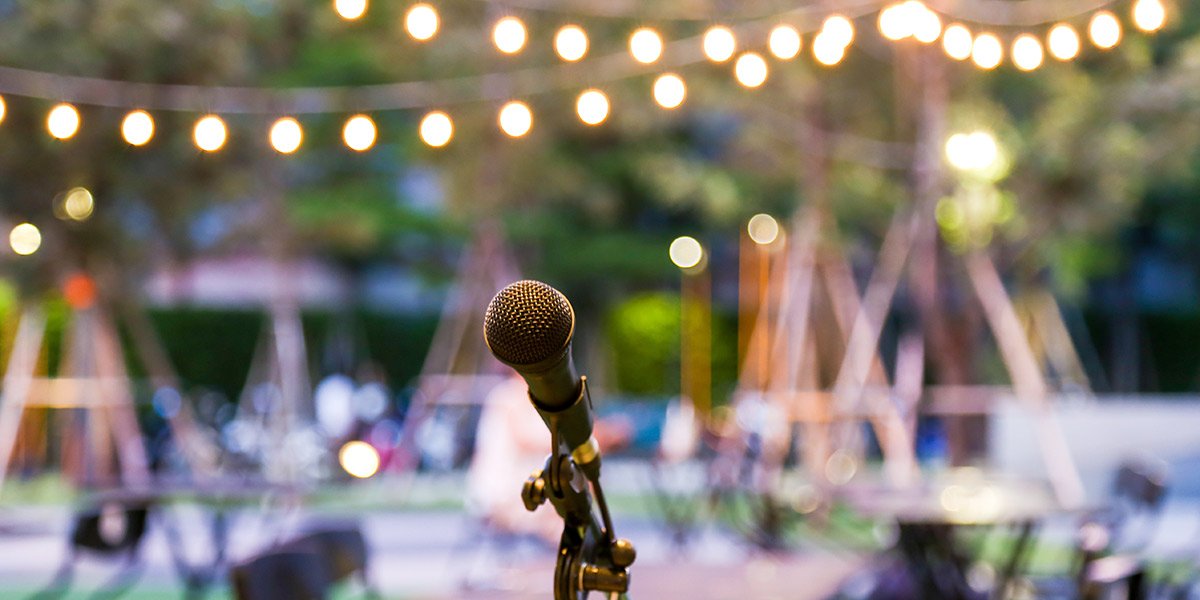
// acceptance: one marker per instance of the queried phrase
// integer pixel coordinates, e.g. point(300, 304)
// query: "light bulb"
point(719, 43)
point(509, 35)
point(210, 133)
point(359, 133)
point(894, 23)
point(1105, 30)
point(927, 25)
point(645, 45)
point(839, 29)
point(827, 49)
point(25, 239)
point(592, 107)
point(137, 128)
point(436, 129)
point(1027, 53)
point(750, 70)
point(63, 121)
point(77, 204)
point(286, 135)
point(571, 43)
point(1149, 15)
point(421, 22)
point(350, 9)
point(516, 119)
point(784, 42)
point(669, 90)
point(987, 51)
point(957, 42)
point(3, 109)
point(763, 229)
point(686, 252)
point(1064, 42)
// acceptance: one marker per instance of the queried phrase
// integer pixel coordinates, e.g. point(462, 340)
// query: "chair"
point(111, 530)
point(342, 552)
point(287, 574)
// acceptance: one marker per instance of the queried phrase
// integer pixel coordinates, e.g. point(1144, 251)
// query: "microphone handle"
point(573, 424)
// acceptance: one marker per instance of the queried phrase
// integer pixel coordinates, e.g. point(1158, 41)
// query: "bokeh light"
point(927, 25)
point(516, 119)
point(286, 135)
point(645, 45)
point(210, 134)
point(350, 9)
point(763, 229)
point(750, 70)
point(827, 50)
point(436, 129)
point(509, 35)
point(79, 291)
point(76, 205)
point(719, 43)
point(3, 109)
point(784, 42)
point(976, 151)
point(63, 121)
point(571, 43)
point(359, 133)
point(669, 90)
point(359, 459)
point(686, 252)
point(839, 29)
point(421, 22)
point(25, 239)
point(986, 51)
point(957, 42)
point(1027, 53)
point(592, 107)
point(137, 128)
point(1149, 15)
point(894, 23)
point(1063, 42)
point(1104, 30)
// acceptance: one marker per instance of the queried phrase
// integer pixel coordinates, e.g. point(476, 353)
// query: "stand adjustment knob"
point(623, 553)
point(533, 493)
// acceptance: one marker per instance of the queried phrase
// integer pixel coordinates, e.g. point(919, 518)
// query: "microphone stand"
point(590, 556)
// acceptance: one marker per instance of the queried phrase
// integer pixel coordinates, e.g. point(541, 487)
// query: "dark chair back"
point(343, 550)
point(290, 574)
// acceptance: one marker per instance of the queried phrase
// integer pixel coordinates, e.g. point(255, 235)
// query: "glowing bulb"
point(957, 42)
point(350, 9)
point(286, 135)
point(25, 239)
point(987, 51)
point(719, 43)
point(137, 128)
point(516, 119)
point(592, 107)
point(359, 133)
point(763, 229)
point(839, 29)
point(1149, 15)
point(1105, 30)
point(1027, 52)
point(571, 43)
point(359, 459)
point(63, 121)
point(894, 23)
point(645, 45)
point(827, 50)
point(3, 109)
point(784, 42)
point(975, 151)
point(669, 90)
point(686, 252)
point(509, 35)
point(78, 204)
point(210, 134)
point(927, 25)
point(421, 21)
point(750, 70)
point(437, 129)
point(1064, 42)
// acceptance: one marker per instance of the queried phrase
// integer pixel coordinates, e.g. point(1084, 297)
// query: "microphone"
point(528, 326)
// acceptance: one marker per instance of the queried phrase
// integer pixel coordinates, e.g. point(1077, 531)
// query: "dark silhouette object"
point(109, 531)
point(288, 574)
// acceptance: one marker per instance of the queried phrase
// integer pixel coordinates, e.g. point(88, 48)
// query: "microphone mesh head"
point(528, 322)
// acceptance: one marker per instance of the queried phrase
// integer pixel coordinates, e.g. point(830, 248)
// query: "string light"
point(63, 121)
point(894, 23)
point(592, 107)
point(1149, 15)
point(669, 91)
point(839, 29)
point(25, 239)
point(719, 43)
point(763, 229)
point(77, 205)
point(927, 25)
point(645, 45)
point(750, 70)
point(286, 135)
point(957, 42)
point(359, 133)
point(436, 129)
point(571, 43)
point(987, 51)
point(1027, 52)
point(686, 252)
point(421, 21)
point(3, 109)
point(827, 50)
point(1105, 30)
point(350, 9)
point(509, 35)
point(784, 42)
point(137, 128)
point(1064, 42)
point(516, 119)
point(359, 459)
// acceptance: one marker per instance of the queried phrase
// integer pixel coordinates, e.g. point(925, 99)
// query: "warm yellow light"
point(645, 45)
point(763, 229)
point(987, 51)
point(1027, 53)
point(209, 134)
point(359, 459)
point(77, 204)
point(750, 70)
point(516, 119)
point(957, 42)
point(827, 50)
point(1105, 30)
point(25, 239)
point(669, 90)
point(1149, 15)
point(350, 9)
point(359, 133)
point(686, 252)
point(592, 107)
point(509, 35)
point(63, 121)
point(719, 43)
point(784, 42)
point(3, 109)
point(894, 23)
point(286, 135)
point(571, 43)
point(1063, 42)
point(839, 29)
point(421, 22)
point(436, 129)
point(977, 151)
point(137, 128)
point(927, 25)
